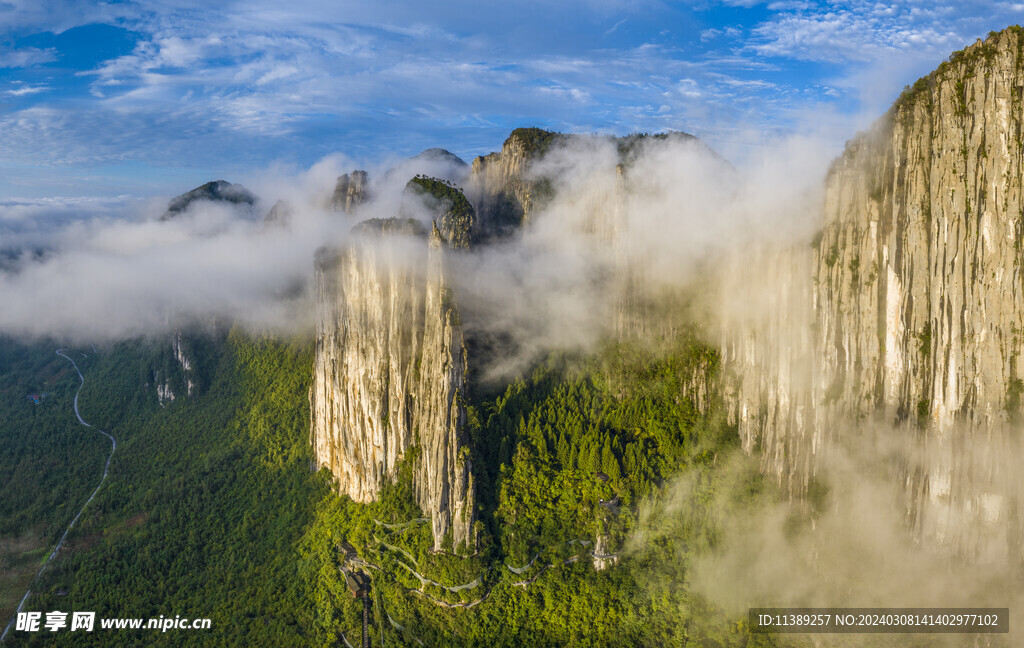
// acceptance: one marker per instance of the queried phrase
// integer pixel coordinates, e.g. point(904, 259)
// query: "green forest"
point(48, 465)
point(212, 508)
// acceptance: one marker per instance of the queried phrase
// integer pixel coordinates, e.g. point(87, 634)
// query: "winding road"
point(106, 469)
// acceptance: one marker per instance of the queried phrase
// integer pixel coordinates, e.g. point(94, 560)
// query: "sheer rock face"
point(504, 192)
point(919, 269)
point(350, 191)
point(175, 369)
point(768, 353)
point(500, 177)
point(917, 305)
point(390, 375)
point(920, 281)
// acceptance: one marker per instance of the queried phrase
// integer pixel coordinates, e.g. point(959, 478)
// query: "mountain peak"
point(214, 191)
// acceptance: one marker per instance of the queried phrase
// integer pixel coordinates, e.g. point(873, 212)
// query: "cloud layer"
point(91, 272)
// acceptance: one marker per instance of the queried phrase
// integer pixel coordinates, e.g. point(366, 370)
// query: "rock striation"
point(173, 374)
point(919, 287)
point(916, 307)
point(769, 356)
point(389, 380)
point(505, 190)
point(350, 191)
point(390, 374)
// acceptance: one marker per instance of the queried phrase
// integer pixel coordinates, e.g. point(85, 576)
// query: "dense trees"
point(211, 510)
point(48, 465)
point(206, 500)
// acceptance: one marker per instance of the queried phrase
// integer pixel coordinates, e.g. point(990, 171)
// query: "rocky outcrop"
point(174, 375)
point(445, 205)
point(280, 215)
point(164, 392)
point(504, 191)
point(389, 379)
point(391, 360)
point(350, 191)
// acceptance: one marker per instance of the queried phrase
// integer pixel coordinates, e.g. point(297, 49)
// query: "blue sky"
point(151, 98)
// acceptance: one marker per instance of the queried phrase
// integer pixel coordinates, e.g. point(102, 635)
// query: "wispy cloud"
point(845, 36)
point(860, 30)
point(207, 84)
point(20, 90)
point(26, 57)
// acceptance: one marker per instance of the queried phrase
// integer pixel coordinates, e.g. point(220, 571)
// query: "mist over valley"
point(583, 389)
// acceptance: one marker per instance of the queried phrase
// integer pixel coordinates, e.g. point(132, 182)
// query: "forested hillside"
point(211, 510)
point(48, 466)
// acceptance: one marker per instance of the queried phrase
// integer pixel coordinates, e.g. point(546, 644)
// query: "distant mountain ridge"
point(218, 191)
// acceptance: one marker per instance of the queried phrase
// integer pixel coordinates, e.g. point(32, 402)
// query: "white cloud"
point(56, 16)
point(615, 26)
point(854, 32)
point(177, 52)
point(110, 269)
point(300, 80)
point(790, 5)
point(24, 90)
point(26, 57)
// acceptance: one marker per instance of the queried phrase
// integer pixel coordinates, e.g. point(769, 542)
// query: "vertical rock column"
point(390, 374)
point(444, 482)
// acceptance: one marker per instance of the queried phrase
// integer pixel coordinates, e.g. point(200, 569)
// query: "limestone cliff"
point(768, 354)
point(350, 191)
point(173, 373)
point(919, 284)
point(390, 373)
point(391, 359)
point(504, 191)
point(916, 307)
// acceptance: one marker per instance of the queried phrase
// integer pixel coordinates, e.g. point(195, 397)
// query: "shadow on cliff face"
point(849, 543)
point(625, 236)
point(619, 224)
